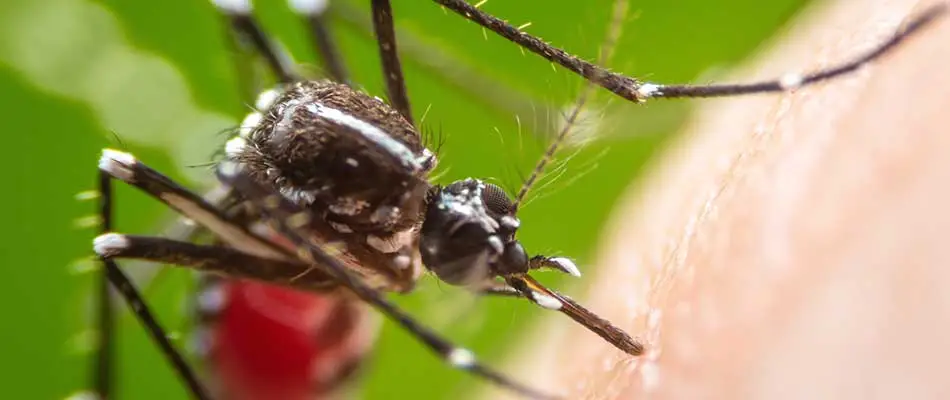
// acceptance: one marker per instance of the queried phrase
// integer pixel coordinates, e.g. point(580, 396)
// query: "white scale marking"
point(117, 164)
point(402, 261)
point(233, 6)
point(510, 222)
point(461, 358)
point(212, 299)
point(107, 244)
point(790, 81)
point(470, 206)
point(309, 7)
point(495, 243)
point(342, 228)
point(566, 265)
point(298, 196)
point(392, 243)
point(647, 90)
point(266, 99)
point(83, 395)
point(546, 301)
point(371, 133)
point(235, 147)
point(250, 122)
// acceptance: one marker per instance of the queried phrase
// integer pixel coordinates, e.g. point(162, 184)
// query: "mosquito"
point(327, 190)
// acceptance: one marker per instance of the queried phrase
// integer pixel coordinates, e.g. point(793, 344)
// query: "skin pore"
point(785, 246)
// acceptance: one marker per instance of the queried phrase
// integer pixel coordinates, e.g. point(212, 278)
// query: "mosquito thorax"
point(468, 235)
point(337, 151)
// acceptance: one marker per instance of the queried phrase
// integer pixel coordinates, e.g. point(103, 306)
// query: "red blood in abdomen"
point(271, 342)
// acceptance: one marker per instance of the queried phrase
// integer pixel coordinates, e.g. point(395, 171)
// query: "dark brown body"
point(356, 164)
point(350, 156)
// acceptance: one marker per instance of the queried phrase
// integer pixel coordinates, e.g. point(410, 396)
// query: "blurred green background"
point(75, 74)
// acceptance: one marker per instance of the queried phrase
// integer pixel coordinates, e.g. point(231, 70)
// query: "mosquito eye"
point(496, 200)
point(514, 260)
point(454, 239)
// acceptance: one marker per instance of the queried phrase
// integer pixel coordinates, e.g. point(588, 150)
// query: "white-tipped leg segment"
point(108, 244)
point(309, 7)
point(791, 81)
point(461, 358)
point(647, 90)
point(233, 6)
point(546, 301)
point(118, 164)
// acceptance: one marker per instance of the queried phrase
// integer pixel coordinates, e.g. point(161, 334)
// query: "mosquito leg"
point(267, 256)
point(142, 274)
point(219, 260)
point(453, 71)
point(121, 282)
point(105, 357)
point(127, 168)
point(315, 13)
point(501, 289)
point(794, 81)
point(606, 51)
point(285, 218)
point(392, 68)
point(638, 91)
point(239, 13)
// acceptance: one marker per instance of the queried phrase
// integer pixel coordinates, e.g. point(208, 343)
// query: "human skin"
point(785, 246)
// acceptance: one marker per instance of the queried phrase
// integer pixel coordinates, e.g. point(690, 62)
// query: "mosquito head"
point(469, 233)
point(328, 147)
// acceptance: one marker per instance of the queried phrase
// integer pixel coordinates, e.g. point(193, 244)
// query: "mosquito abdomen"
point(268, 342)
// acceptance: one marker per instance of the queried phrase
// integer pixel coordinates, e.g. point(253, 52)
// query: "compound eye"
point(454, 239)
point(496, 200)
point(514, 260)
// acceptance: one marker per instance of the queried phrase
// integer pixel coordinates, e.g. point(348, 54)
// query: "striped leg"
point(240, 15)
point(314, 12)
point(638, 91)
point(287, 220)
point(392, 68)
point(113, 275)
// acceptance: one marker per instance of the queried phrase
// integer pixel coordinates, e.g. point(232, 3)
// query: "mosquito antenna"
point(639, 91)
point(579, 174)
point(550, 177)
point(606, 51)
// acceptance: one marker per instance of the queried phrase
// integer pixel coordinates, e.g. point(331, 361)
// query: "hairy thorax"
point(351, 160)
point(343, 153)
